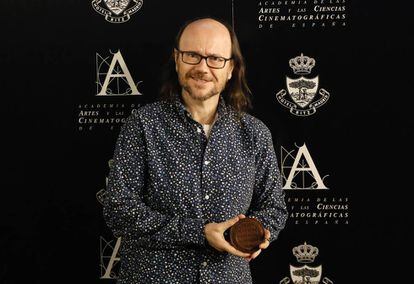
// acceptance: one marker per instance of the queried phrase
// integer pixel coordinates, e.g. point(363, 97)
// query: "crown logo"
point(305, 253)
point(302, 64)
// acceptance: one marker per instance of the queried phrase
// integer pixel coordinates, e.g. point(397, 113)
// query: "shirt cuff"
point(193, 231)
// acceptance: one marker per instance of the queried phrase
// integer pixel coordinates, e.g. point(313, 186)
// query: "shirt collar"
point(222, 108)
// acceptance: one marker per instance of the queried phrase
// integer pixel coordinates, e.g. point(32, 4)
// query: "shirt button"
point(207, 196)
point(206, 162)
point(204, 264)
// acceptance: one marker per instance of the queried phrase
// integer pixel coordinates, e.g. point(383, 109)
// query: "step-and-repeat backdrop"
point(78, 69)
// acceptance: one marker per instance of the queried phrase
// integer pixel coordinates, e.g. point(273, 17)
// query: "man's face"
point(205, 37)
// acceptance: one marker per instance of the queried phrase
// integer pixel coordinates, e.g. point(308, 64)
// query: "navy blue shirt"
point(168, 180)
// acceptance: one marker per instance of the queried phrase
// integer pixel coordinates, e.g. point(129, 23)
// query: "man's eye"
point(216, 59)
point(192, 55)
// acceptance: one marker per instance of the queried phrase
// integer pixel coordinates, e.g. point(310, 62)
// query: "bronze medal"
point(246, 235)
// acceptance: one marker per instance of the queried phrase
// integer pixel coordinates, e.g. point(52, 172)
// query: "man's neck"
point(203, 112)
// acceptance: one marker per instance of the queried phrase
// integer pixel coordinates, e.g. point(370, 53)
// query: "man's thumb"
point(231, 222)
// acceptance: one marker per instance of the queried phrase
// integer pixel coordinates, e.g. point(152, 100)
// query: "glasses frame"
point(202, 57)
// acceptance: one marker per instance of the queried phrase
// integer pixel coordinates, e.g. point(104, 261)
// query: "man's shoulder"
point(255, 125)
point(152, 108)
point(147, 114)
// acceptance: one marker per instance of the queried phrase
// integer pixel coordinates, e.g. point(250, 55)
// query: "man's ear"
point(175, 54)
point(230, 71)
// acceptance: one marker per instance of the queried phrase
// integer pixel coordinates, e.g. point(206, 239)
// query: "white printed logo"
point(108, 251)
point(305, 274)
point(113, 78)
point(299, 170)
point(109, 258)
point(117, 11)
point(302, 91)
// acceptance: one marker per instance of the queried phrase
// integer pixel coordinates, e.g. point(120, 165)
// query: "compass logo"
point(113, 77)
point(299, 170)
point(109, 257)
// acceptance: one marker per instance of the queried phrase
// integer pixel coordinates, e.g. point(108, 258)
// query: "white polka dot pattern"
point(168, 180)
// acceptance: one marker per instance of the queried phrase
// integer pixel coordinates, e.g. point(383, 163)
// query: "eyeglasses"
point(193, 58)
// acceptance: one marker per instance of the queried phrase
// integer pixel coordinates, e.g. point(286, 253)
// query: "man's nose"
point(202, 66)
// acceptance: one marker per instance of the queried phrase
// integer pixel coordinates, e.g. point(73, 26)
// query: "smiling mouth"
point(200, 80)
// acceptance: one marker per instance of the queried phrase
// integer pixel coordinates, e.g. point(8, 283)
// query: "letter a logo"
point(109, 260)
point(114, 79)
point(302, 173)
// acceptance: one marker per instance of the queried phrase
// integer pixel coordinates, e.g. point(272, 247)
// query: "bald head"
point(206, 36)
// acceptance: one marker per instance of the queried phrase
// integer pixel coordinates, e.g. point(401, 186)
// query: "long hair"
point(236, 93)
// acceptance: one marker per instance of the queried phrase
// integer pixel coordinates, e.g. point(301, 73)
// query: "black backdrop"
point(52, 228)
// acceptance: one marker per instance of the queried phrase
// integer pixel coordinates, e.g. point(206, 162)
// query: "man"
point(188, 167)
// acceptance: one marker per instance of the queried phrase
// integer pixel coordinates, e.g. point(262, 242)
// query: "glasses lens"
point(216, 62)
point(195, 58)
point(191, 58)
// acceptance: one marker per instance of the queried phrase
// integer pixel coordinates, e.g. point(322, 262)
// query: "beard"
point(200, 93)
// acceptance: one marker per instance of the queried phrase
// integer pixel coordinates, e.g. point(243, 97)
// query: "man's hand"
point(214, 235)
point(263, 245)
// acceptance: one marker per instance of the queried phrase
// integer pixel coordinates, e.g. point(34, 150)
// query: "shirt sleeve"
point(268, 203)
point(124, 210)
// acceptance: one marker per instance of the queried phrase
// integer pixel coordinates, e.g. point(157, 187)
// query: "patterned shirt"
point(168, 180)
point(207, 127)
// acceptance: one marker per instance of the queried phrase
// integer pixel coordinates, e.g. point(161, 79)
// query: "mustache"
point(199, 76)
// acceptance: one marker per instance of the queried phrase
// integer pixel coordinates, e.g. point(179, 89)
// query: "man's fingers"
point(267, 234)
point(256, 253)
point(229, 248)
point(241, 216)
point(227, 224)
point(264, 245)
point(238, 253)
